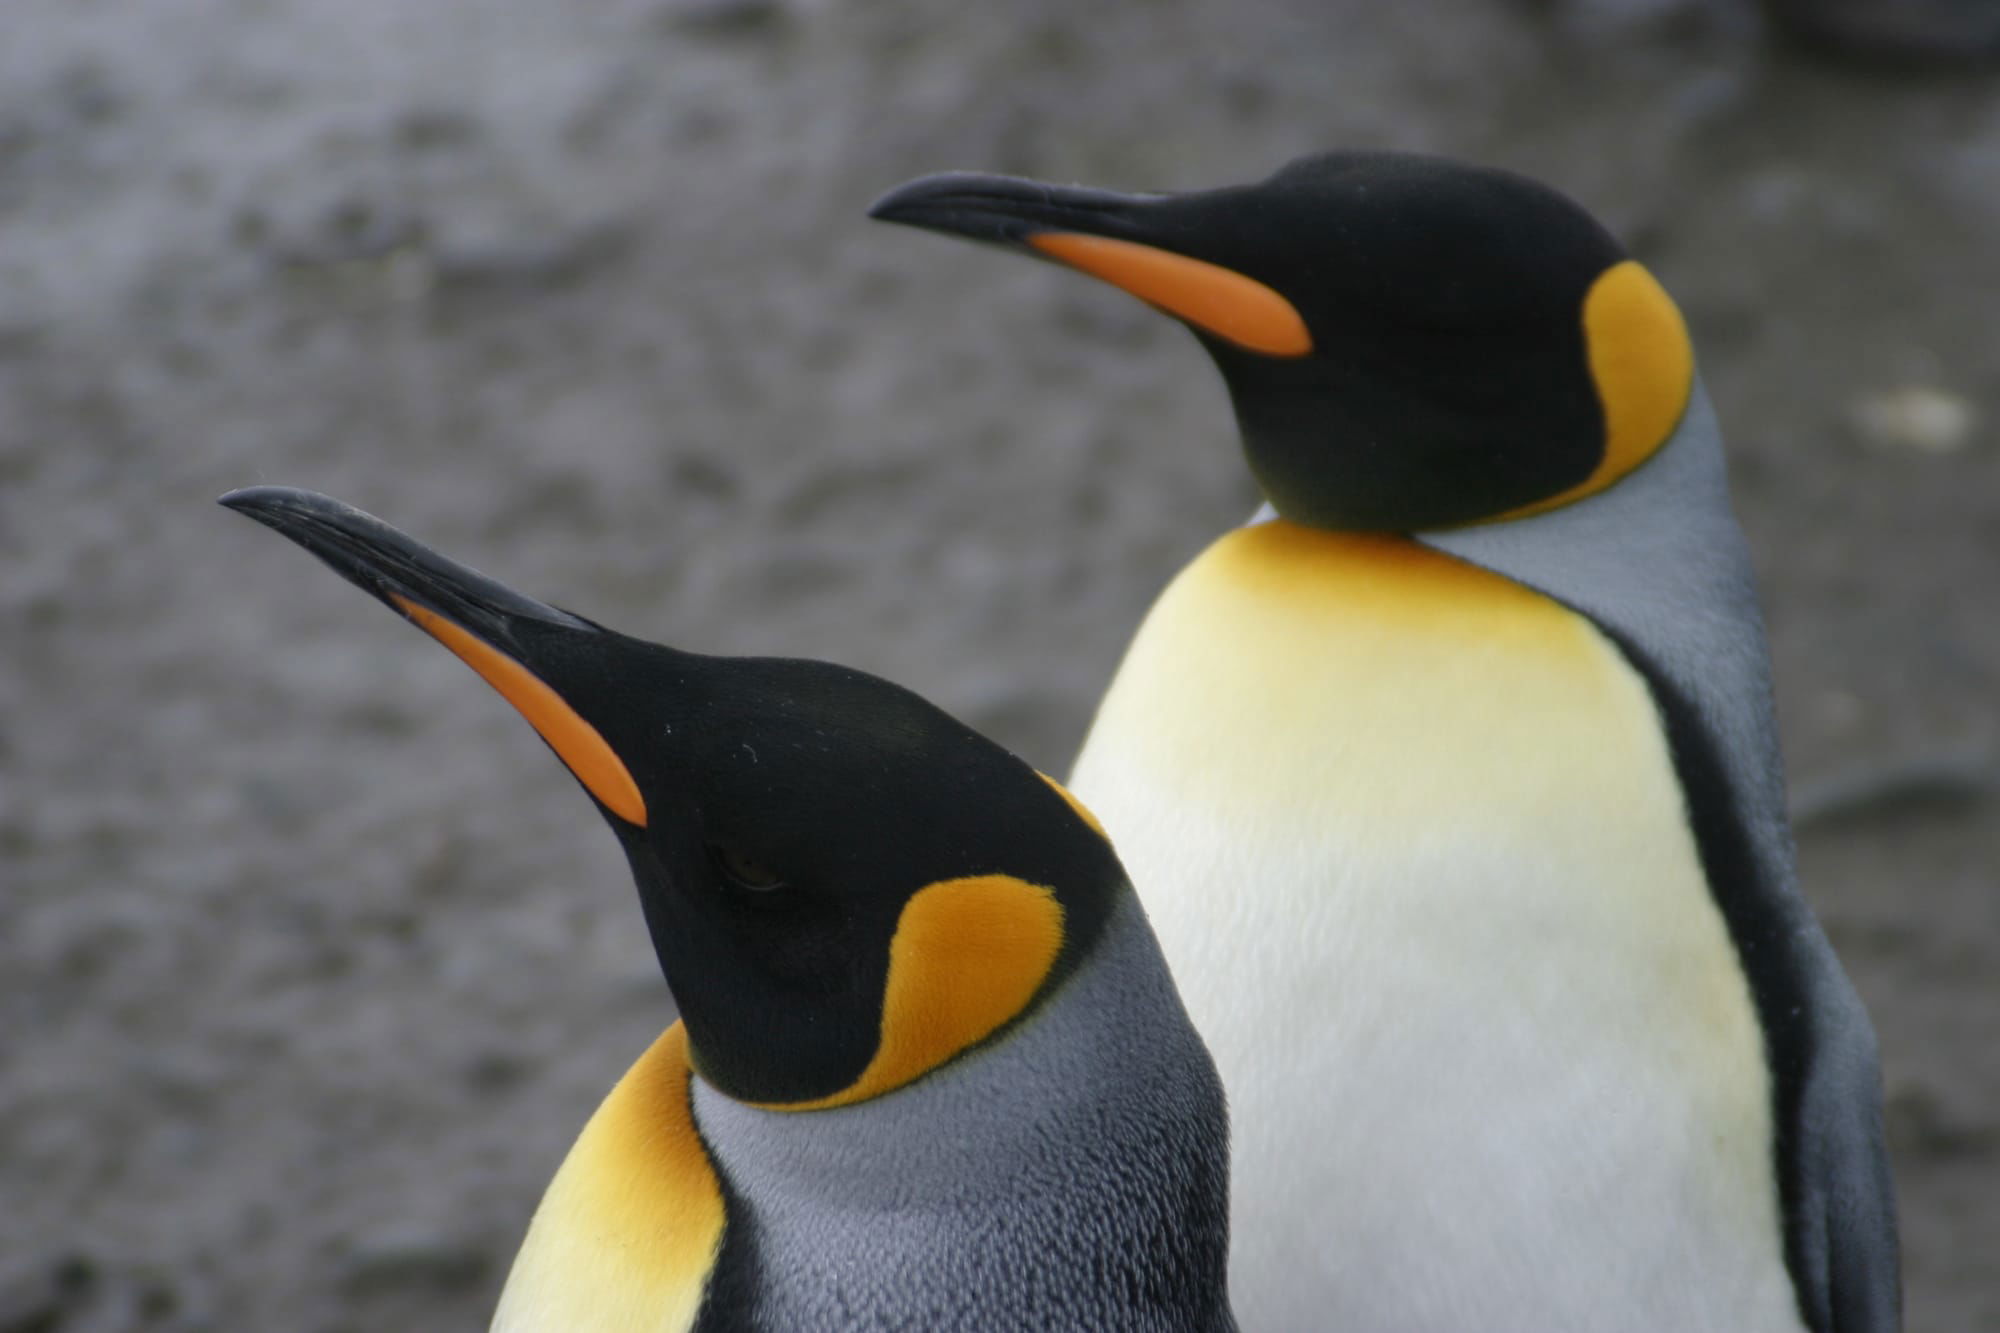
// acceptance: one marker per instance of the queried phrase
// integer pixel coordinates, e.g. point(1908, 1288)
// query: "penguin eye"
point(742, 872)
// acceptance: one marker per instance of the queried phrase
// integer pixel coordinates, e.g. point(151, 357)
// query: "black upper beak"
point(1007, 210)
point(389, 565)
point(511, 641)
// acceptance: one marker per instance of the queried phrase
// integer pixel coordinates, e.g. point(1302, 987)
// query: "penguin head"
point(846, 887)
point(1410, 343)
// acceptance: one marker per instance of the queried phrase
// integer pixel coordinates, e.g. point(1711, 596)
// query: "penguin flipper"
point(1845, 1228)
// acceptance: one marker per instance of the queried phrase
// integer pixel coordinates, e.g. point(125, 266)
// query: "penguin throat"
point(1337, 447)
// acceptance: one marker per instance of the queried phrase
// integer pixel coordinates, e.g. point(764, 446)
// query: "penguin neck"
point(1659, 562)
point(1109, 1039)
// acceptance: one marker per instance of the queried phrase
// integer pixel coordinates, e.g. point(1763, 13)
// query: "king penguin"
point(1453, 782)
point(930, 1071)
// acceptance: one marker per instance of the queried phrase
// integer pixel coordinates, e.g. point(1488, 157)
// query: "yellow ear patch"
point(631, 1225)
point(1082, 810)
point(1642, 364)
point(1222, 301)
point(967, 956)
point(575, 741)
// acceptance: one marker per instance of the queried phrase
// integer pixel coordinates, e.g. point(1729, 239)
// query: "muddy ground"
point(311, 960)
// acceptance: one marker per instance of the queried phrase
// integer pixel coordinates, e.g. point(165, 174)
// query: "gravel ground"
point(312, 962)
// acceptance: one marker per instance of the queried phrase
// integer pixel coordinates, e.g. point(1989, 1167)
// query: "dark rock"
point(41, 1296)
point(724, 18)
point(1922, 1121)
point(1939, 32)
point(1945, 780)
point(426, 128)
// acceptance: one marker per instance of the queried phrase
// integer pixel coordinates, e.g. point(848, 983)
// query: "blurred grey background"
point(312, 961)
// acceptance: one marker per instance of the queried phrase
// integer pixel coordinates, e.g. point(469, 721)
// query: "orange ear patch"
point(1221, 301)
point(968, 955)
point(1642, 364)
point(574, 740)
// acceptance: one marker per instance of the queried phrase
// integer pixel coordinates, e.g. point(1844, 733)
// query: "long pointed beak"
point(1010, 210)
point(487, 624)
point(394, 567)
point(1126, 240)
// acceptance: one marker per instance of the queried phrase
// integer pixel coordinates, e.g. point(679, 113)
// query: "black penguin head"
point(845, 886)
point(1410, 343)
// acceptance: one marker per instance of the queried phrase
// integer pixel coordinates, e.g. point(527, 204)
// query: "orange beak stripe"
point(1219, 300)
point(575, 741)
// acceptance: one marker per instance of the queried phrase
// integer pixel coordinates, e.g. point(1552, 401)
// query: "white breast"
point(1415, 850)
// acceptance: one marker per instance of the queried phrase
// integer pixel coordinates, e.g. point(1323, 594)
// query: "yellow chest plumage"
point(629, 1229)
point(1374, 669)
point(1416, 851)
